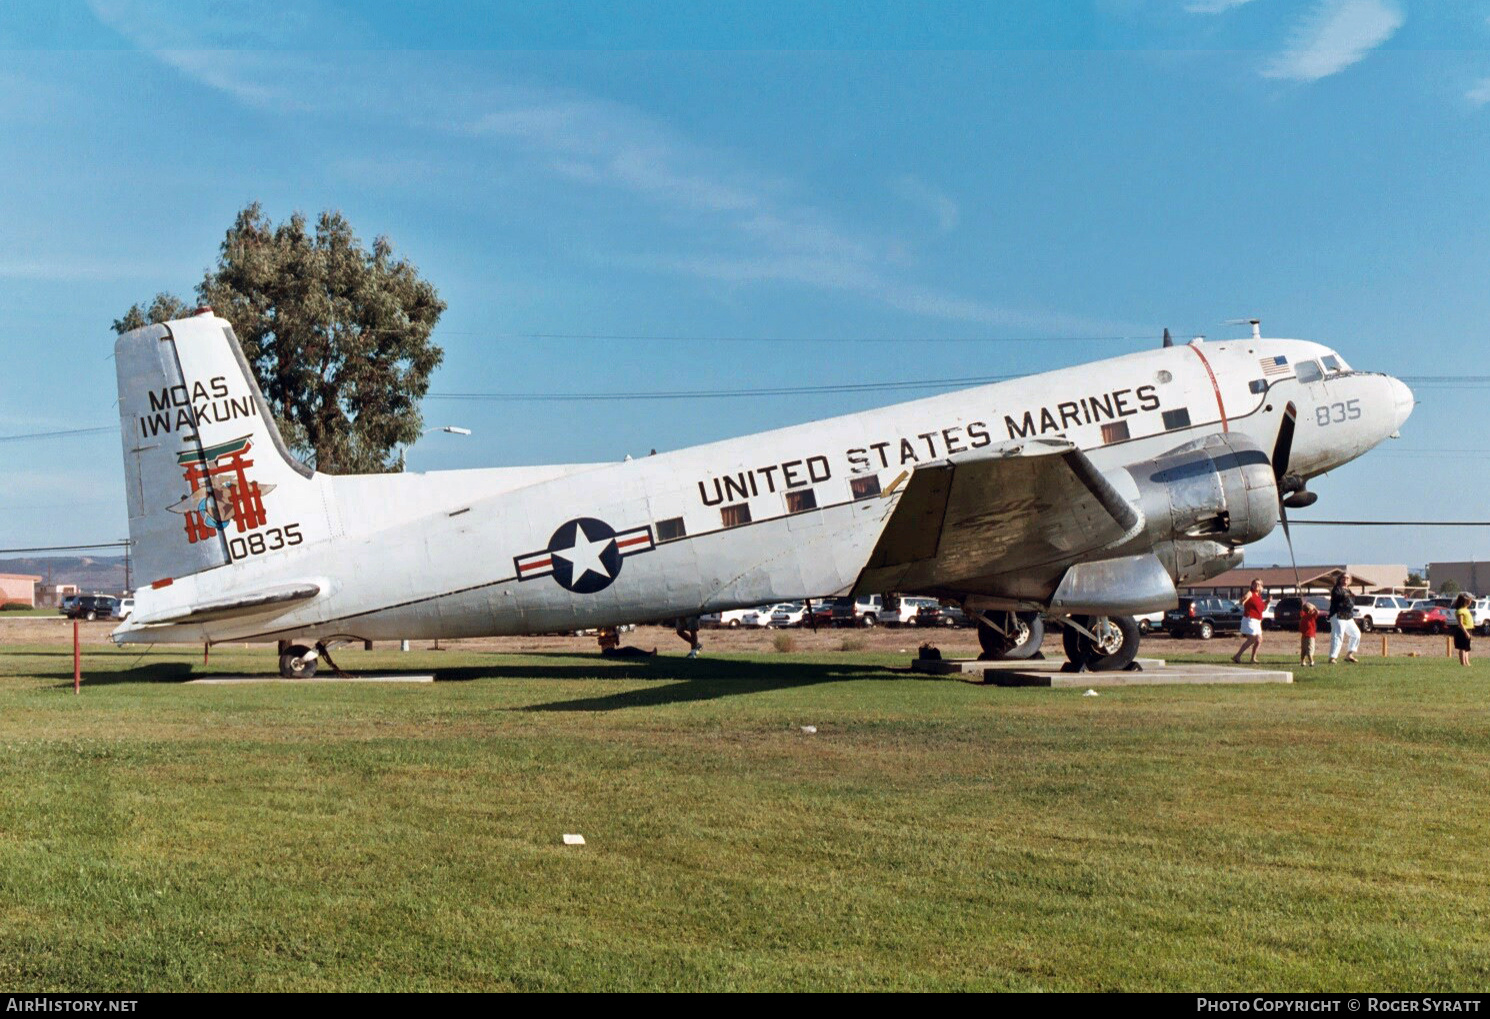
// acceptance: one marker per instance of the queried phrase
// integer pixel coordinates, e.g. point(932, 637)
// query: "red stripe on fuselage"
point(1214, 386)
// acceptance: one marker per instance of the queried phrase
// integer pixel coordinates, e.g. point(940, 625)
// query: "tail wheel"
point(1115, 647)
point(1023, 634)
point(293, 663)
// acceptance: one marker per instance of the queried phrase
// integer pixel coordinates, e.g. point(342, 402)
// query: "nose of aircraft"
point(1402, 400)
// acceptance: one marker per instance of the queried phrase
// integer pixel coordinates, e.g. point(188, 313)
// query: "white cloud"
point(1480, 94)
point(1334, 35)
point(1213, 6)
point(67, 269)
point(740, 225)
point(942, 208)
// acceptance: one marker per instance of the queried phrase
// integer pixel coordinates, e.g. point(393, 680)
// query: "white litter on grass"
point(809, 729)
point(574, 840)
point(1091, 693)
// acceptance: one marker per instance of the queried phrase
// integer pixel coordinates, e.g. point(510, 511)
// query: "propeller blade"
point(1288, 537)
point(1283, 445)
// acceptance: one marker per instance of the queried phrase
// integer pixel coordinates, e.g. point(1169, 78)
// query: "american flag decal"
point(1275, 367)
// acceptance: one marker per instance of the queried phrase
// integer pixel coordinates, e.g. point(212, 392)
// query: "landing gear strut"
point(1010, 636)
point(1100, 643)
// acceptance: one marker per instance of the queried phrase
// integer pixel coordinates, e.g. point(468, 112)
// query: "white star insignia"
point(584, 555)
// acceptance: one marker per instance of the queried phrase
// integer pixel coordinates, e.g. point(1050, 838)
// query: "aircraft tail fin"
point(208, 478)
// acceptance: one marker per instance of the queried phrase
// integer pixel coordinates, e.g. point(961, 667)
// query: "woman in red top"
point(1252, 607)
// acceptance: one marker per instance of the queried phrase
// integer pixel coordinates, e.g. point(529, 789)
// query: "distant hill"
point(103, 574)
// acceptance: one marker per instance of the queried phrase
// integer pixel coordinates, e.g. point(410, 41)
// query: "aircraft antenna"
point(1168, 340)
point(1255, 323)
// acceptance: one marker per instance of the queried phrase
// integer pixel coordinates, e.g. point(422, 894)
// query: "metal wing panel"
point(1018, 507)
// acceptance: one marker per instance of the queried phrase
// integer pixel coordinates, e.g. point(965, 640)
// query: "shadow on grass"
point(691, 680)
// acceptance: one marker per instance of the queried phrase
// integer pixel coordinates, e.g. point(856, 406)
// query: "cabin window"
point(1308, 371)
point(866, 487)
point(1257, 386)
point(734, 516)
point(1176, 419)
point(1116, 431)
point(800, 501)
point(671, 530)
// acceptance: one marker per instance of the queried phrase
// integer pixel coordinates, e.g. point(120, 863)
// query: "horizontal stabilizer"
point(277, 598)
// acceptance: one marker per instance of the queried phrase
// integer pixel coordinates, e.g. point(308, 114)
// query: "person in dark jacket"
point(1343, 629)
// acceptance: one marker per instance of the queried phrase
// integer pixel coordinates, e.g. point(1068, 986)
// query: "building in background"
point(51, 595)
point(18, 587)
point(1390, 578)
point(1472, 576)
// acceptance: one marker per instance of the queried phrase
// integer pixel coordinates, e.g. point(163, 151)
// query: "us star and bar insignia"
point(584, 555)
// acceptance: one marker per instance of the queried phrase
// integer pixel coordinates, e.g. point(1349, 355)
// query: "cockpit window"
point(1331, 364)
point(1308, 371)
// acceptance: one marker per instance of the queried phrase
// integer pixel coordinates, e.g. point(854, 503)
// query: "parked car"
point(1203, 617)
point(1373, 611)
point(788, 614)
point(67, 604)
point(822, 614)
point(735, 618)
point(866, 610)
point(1150, 621)
point(938, 614)
point(1424, 617)
point(1286, 611)
point(1480, 610)
point(905, 613)
point(126, 608)
point(94, 606)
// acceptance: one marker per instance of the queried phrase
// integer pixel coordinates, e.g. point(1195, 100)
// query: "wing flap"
point(1003, 510)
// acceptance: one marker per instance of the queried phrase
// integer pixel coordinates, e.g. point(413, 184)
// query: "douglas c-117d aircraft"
point(1085, 494)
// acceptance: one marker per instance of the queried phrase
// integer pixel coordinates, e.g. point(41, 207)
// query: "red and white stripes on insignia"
point(541, 564)
point(1215, 386)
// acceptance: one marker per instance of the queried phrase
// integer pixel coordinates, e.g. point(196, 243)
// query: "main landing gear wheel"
point(293, 663)
point(1114, 649)
point(1023, 633)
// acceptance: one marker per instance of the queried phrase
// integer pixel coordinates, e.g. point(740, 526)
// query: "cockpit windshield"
point(1333, 365)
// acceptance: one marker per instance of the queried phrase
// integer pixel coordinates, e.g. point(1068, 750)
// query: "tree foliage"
point(338, 336)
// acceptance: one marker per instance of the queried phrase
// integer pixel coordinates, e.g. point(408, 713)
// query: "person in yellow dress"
point(1463, 624)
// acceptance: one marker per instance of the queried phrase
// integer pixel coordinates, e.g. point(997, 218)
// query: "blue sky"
point(681, 196)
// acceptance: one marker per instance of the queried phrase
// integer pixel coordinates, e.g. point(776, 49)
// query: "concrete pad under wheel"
point(1173, 675)
point(224, 680)
point(951, 666)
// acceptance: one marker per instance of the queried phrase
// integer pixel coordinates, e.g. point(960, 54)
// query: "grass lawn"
point(1330, 835)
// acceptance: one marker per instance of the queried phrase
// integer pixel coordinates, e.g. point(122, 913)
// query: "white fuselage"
point(776, 516)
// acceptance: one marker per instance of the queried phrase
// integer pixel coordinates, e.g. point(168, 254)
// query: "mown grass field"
point(931, 834)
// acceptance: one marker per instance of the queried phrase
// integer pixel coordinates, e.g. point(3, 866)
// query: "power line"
point(700, 394)
point(60, 434)
point(1389, 523)
point(66, 548)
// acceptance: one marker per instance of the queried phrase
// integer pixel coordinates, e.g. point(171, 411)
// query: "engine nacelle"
point(1219, 489)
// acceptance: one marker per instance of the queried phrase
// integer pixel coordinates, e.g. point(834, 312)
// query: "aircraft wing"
point(1005, 520)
